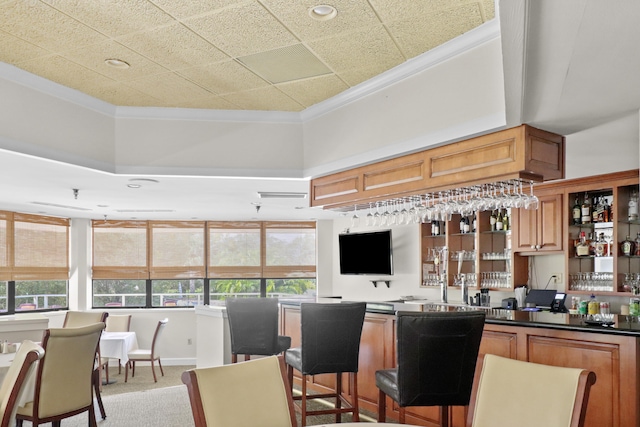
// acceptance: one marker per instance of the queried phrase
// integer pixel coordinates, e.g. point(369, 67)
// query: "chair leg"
point(126, 371)
point(303, 401)
point(119, 366)
point(382, 406)
point(338, 400)
point(355, 404)
point(153, 371)
point(290, 377)
point(133, 368)
point(444, 416)
point(234, 358)
point(160, 365)
point(92, 417)
point(96, 388)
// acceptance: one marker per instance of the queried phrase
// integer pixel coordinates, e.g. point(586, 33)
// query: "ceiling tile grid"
point(223, 54)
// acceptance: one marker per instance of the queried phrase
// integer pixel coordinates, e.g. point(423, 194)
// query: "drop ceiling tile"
point(312, 91)
point(169, 86)
point(114, 17)
point(295, 16)
point(390, 11)
point(224, 77)
point(174, 47)
point(268, 98)
point(183, 9)
point(358, 49)
point(118, 94)
point(211, 102)
point(14, 50)
point(417, 35)
point(242, 30)
point(65, 72)
point(355, 76)
point(93, 57)
point(43, 26)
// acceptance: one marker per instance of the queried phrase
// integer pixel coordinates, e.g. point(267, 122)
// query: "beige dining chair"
point(508, 392)
point(115, 323)
point(147, 355)
point(12, 389)
point(74, 319)
point(241, 394)
point(65, 377)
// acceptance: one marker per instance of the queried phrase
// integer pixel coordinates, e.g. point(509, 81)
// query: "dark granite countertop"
point(617, 324)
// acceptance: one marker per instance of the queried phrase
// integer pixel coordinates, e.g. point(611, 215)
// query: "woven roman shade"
point(33, 247)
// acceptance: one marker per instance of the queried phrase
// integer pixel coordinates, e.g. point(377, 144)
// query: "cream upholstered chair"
point(241, 394)
point(12, 388)
point(508, 392)
point(65, 376)
point(145, 355)
point(74, 319)
point(115, 323)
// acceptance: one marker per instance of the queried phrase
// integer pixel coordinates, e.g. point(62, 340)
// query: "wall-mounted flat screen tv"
point(366, 253)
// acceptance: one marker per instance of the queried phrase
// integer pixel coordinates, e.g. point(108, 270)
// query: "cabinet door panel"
point(603, 359)
point(550, 223)
point(524, 229)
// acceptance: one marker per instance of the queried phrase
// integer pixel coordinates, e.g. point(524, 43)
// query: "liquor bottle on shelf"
point(473, 226)
point(627, 247)
point(601, 246)
point(466, 226)
point(637, 248)
point(435, 228)
point(582, 248)
point(586, 209)
point(499, 223)
point(493, 220)
point(606, 213)
point(595, 209)
point(461, 224)
point(505, 221)
point(576, 212)
point(633, 205)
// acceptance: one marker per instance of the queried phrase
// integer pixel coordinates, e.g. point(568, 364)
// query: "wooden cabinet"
point(520, 152)
point(604, 269)
point(540, 230)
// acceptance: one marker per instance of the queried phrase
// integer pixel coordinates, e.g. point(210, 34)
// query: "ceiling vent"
point(285, 64)
point(281, 195)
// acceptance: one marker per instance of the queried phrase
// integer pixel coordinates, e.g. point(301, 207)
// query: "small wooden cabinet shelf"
point(606, 270)
point(484, 257)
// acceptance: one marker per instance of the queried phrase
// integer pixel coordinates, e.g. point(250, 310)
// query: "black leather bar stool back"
point(330, 335)
point(253, 325)
point(437, 354)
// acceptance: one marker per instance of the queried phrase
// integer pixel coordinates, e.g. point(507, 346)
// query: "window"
point(34, 262)
point(186, 263)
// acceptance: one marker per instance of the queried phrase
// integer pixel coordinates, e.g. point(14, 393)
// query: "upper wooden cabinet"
point(539, 230)
point(520, 152)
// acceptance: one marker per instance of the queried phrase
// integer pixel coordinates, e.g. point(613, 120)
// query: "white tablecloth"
point(117, 345)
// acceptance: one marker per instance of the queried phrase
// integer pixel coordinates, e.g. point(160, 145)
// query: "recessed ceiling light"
point(323, 12)
point(117, 63)
point(134, 185)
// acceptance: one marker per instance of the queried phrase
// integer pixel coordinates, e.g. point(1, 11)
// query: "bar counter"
point(612, 352)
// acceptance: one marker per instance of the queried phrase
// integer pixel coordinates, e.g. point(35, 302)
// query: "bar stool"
point(330, 337)
point(253, 325)
point(437, 354)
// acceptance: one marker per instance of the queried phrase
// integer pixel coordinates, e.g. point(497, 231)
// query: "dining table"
point(117, 345)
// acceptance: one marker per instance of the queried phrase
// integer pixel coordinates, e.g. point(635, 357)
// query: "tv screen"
point(366, 253)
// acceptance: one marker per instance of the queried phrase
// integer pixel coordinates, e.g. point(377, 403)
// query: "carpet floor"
point(140, 402)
